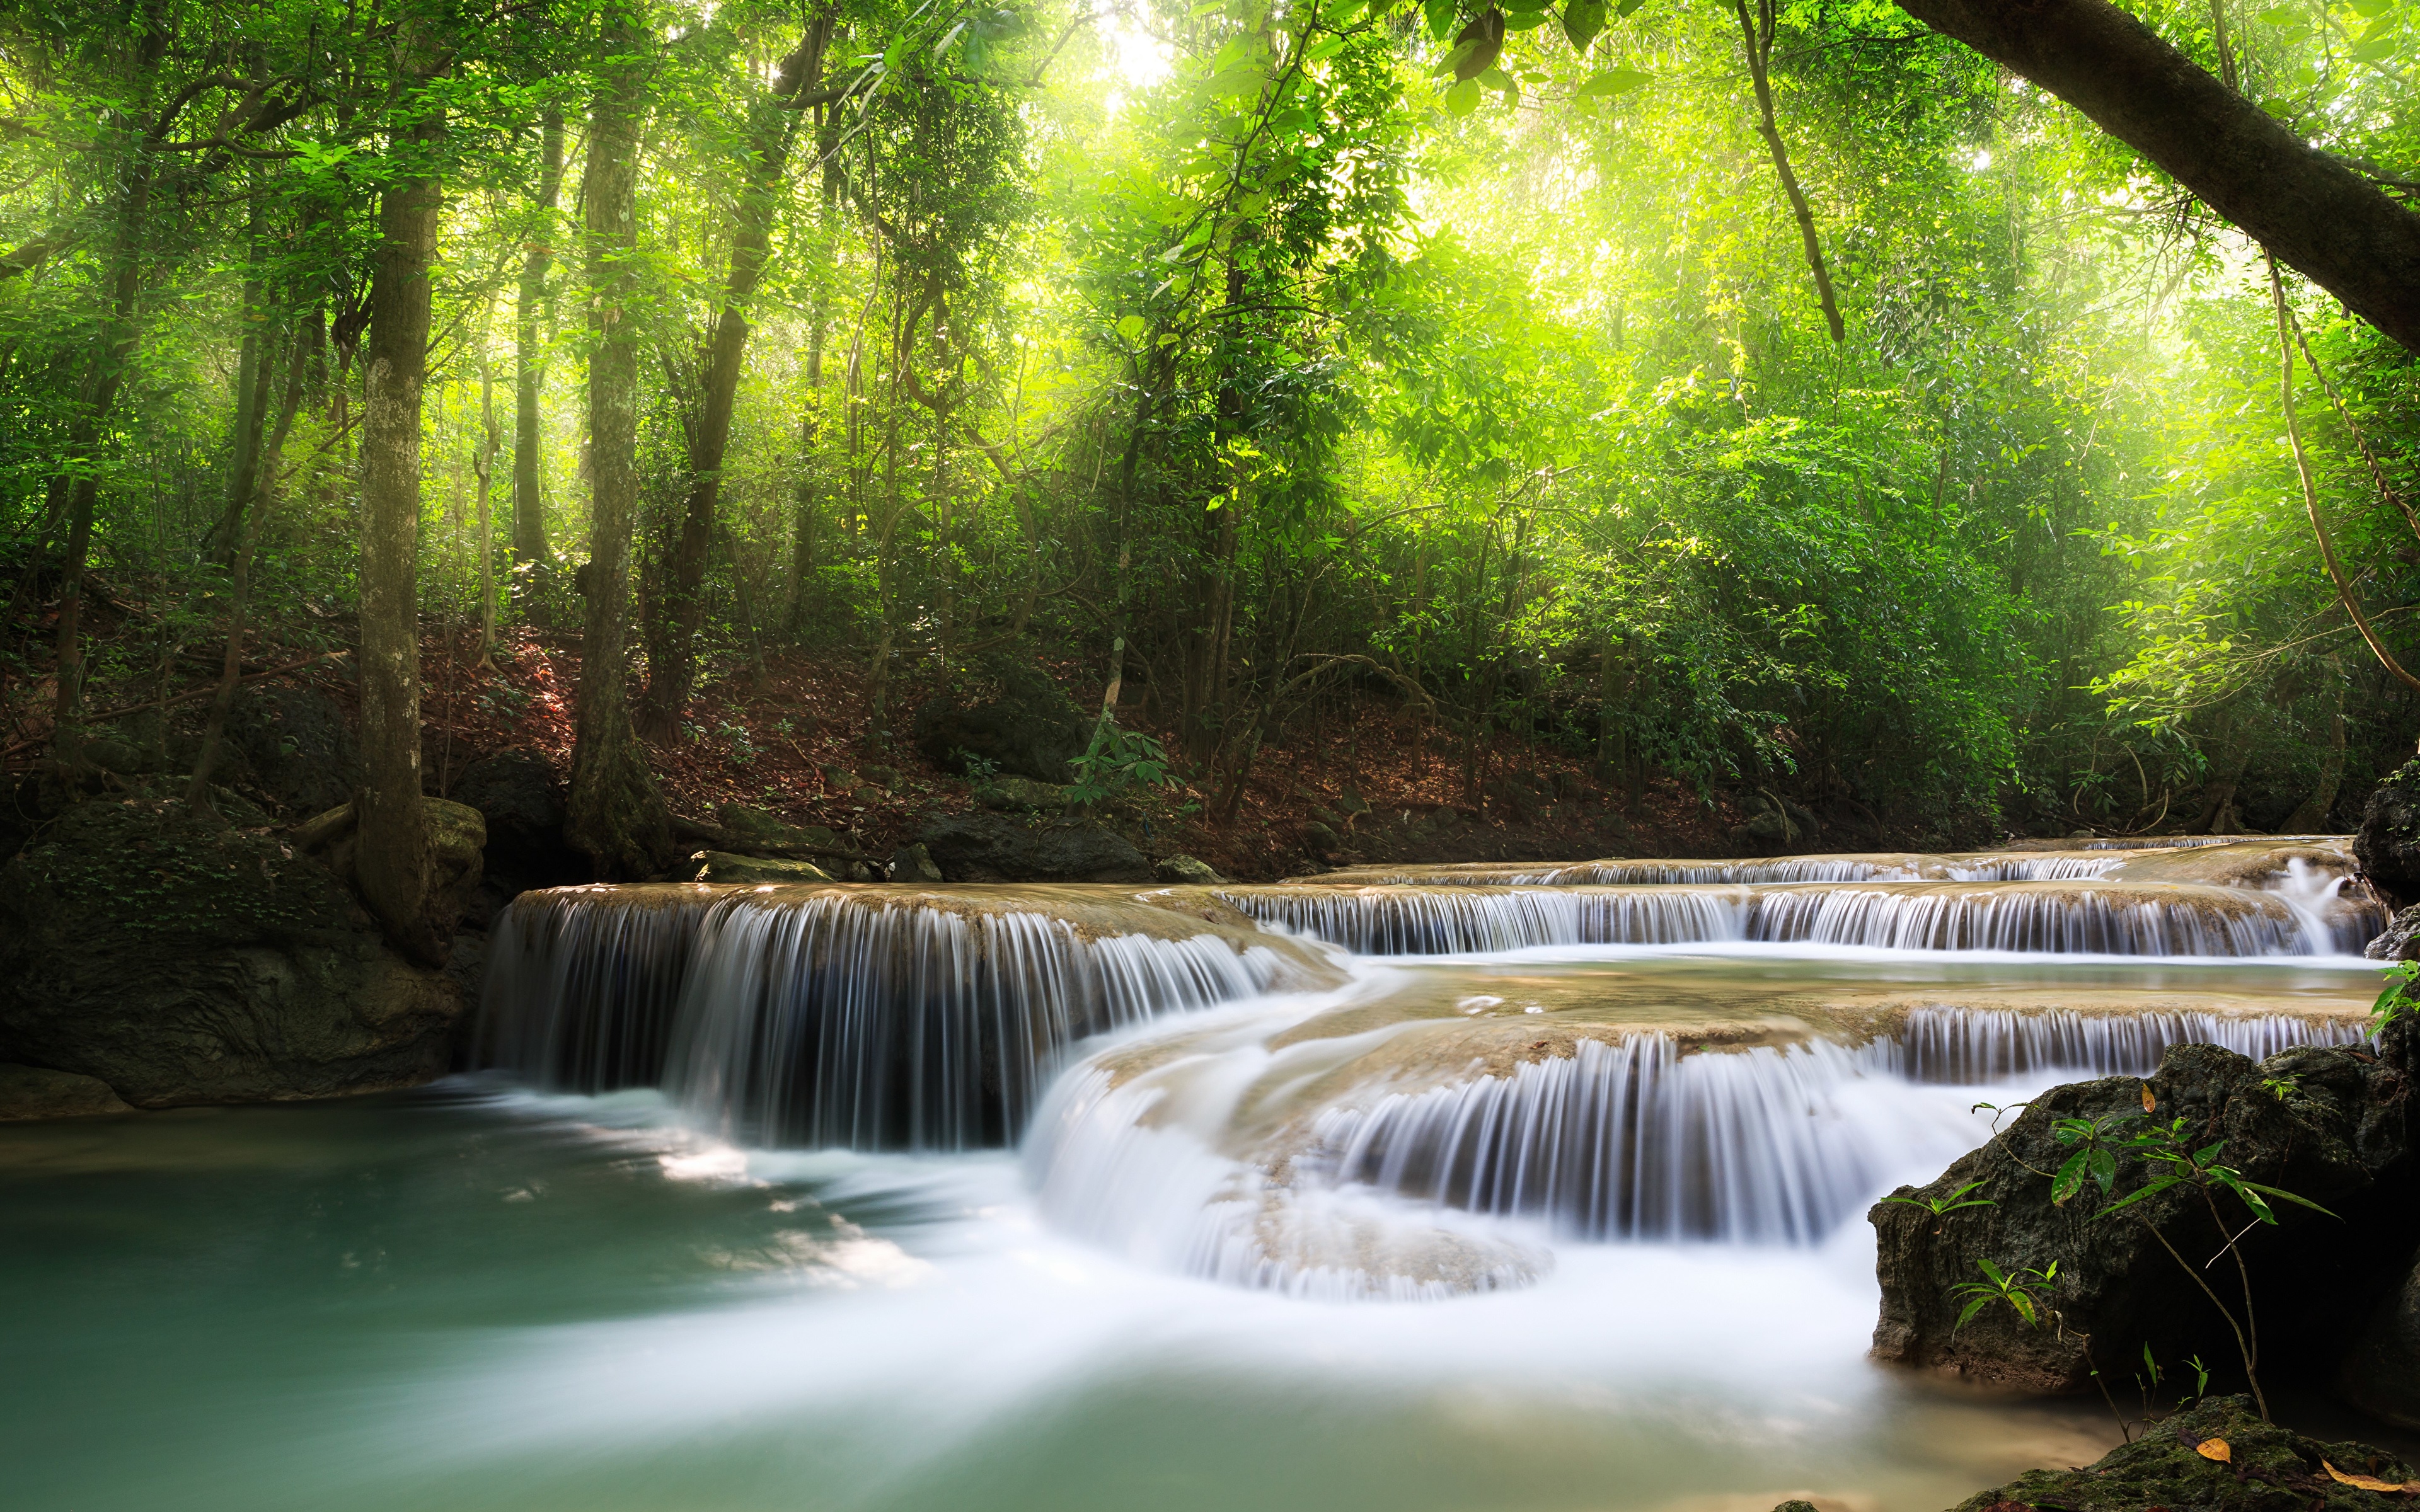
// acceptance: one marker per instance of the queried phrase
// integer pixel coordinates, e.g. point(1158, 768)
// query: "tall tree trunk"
point(248, 527)
point(2314, 212)
point(671, 653)
point(483, 466)
point(251, 387)
point(529, 514)
point(617, 813)
point(395, 868)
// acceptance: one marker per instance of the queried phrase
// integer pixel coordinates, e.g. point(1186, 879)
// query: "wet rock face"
point(178, 962)
point(28, 1092)
point(2388, 843)
point(2382, 1376)
point(998, 848)
point(2216, 1455)
point(1030, 729)
point(2324, 1124)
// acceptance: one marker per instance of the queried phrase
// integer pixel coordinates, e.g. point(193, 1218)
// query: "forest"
point(1720, 411)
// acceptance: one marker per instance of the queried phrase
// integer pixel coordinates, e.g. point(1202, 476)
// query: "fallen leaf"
point(2371, 1483)
point(2150, 1104)
point(2216, 1449)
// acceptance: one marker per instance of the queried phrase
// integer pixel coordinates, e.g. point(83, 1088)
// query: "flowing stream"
point(1485, 1187)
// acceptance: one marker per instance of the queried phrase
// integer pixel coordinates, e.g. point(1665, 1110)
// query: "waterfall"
point(1632, 1139)
point(861, 1018)
point(2049, 918)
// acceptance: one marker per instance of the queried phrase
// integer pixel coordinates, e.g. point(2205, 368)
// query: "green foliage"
point(2020, 1289)
point(1117, 763)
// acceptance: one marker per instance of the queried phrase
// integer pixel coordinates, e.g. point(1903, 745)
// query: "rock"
point(296, 748)
point(1022, 793)
point(458, 837)
point(181, 961)
point(996, 848)
point(2387, 846)
point(723, 866)
point(2265, 1469)
point(744, 827)
point(2327, 1124)
point(914, 863)
point(29, 1092)
point(1030, 729)
point(2399, 940)
point(1321, 839)
point(521, 799)
point(2382, 1376)
point(1187, 871)
point(881, 777)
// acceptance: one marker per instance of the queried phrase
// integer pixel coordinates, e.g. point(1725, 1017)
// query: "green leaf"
point(1463, 98)
point(1582, 20)
point(2288, 1197)
point(1439, 14)
point(1624, 9)
point(1611, 83)
point(1321, 51)
point(1458, 54)
point(1133, 327)
point(1969, 1311)
point(2071, 1176)
point(2149, 1188)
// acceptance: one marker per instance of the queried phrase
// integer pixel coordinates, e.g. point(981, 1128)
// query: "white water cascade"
point(851, 1018)
point(2090, 917)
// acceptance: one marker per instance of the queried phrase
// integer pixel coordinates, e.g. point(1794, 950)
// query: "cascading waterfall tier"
point(1351, 1165)
point(854, 1017)
point(2214, 858)
point(1632, 1139)
point(2047, 918)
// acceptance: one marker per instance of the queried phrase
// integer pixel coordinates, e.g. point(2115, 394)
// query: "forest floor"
point(797, 743)
point(1359, 781)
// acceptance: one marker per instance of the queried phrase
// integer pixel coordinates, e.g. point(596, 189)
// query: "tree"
point(616, 813)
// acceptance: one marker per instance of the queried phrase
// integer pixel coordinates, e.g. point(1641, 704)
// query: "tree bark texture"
point(529, 514)
point(396, 865)
point(617, 813)
point(2314, 212)
point(671, 653)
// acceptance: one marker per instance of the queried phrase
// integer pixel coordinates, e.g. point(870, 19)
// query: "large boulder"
point(2387, 846)
point(2216, 1455)
point(2381, 1375)
point(989, 847)
point(179, 960)
point(293, 748)
point(2328, 1124)
point(1030, 729)
point(520, 798)
point(2399, 940)
point(29, 1092)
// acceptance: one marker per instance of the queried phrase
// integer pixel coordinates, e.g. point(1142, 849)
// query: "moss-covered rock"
point(2217, 1455)
point(745, 828)
point(29, 1092)
point(2328, 1124)
point(181, 960)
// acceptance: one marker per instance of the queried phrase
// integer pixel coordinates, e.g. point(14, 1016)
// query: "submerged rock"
point(180, 961)
point(38, 1092)
point(2216, 1455)
point(996, 848)
point(2327, 1124)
